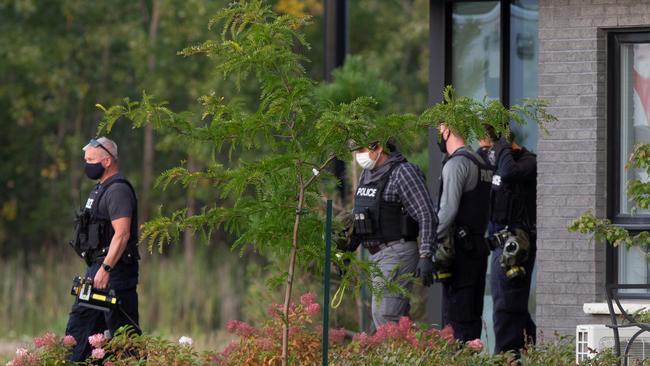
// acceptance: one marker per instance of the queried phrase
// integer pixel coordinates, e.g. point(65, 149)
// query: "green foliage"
point(459, 114)
point(605, 230)
point(642, 315)
point(356, 79)
point(290, 138)
point(403, 343)
point(59, 58)
point(561, 351)
point(467, 117)
point(639, 191)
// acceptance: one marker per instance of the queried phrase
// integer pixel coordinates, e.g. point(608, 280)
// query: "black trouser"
point(462, 300)
point(513, 325)
point(84, 322)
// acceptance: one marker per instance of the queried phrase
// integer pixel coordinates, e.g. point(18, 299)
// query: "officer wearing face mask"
point(105, 237)
point(460, 256)
point(392, 207)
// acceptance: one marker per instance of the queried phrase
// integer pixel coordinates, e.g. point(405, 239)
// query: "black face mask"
point(94, 171)
point(442, 143)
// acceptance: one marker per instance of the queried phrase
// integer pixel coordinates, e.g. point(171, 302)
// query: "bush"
point(401, 343)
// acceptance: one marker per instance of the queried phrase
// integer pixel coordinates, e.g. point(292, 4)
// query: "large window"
point(493, 52)
point(476, 49)
point(629, 125)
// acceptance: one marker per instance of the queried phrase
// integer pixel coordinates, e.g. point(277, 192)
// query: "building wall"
point(572, 157)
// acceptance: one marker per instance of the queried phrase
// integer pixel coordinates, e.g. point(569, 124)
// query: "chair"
point(627, 319)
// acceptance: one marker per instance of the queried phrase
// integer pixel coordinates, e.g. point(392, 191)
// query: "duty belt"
point(376, 248)
point(95, 255)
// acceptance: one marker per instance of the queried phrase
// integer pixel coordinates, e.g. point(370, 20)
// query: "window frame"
point(615, 38)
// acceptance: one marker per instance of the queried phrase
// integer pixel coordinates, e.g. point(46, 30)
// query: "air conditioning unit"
point(593, 338)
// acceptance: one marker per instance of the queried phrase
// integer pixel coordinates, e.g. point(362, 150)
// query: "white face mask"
point(364, 160)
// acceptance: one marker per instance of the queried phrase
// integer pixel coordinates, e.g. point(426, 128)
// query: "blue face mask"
point(94, 171)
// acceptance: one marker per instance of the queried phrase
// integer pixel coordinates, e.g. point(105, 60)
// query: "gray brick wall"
point(572, 158)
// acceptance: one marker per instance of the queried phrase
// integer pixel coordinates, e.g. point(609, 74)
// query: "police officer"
point(512, 232)
point(463, 217)
point(106, 235)
point(391, 207)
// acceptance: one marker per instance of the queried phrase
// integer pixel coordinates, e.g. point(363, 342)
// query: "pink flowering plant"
point(401, 343)
point(262, 346)
point(129, 348)
point(48, 349)
point(406, 343)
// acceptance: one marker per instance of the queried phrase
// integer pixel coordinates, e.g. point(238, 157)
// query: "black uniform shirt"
point(117, 202)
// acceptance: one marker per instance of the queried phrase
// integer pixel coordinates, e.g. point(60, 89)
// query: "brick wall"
point(572, 157)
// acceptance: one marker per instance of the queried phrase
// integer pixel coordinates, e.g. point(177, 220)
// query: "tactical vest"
point(473, 212)
point(93, 232)
point(508, 203)
point(377, 221)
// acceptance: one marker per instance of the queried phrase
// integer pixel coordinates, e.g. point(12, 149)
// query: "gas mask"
point(515, 251)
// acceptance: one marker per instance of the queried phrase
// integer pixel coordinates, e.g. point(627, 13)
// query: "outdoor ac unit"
point(593, 338)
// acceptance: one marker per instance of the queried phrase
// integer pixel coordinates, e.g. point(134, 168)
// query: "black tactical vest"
point(509, 202)
point(378, 221)
point(94, 231)
point(473, 212)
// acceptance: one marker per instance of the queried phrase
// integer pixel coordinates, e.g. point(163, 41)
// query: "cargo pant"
point(84, 322)
point(462, 300)
point(397, 259)
point(513, 325)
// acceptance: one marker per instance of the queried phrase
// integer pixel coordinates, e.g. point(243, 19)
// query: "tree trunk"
point(229, 289)
point(292, 266)
point(188, 235)
point(75, 190)
point(148, 153)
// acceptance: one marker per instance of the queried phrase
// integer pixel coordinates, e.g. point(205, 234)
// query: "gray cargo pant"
point(398, 258)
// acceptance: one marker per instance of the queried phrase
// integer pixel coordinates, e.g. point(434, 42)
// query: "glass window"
point(629, 125)
point(524, 52)
point(633, 125)
point(633, 266)
point(634, 115)
point(476, 49)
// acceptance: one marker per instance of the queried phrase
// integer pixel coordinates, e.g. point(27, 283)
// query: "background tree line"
point(62, 57)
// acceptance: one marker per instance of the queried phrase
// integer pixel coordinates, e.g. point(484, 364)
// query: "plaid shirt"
point(407, 186)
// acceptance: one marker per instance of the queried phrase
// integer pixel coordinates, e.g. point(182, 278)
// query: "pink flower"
point(19, 359)
point(365, 340)
point(98, 353)
point(337, 335)
point(264, 344)
point(46, 340)
point(69, 341)
point(405, 324)
point(21, 353)
point(312, 309)
point(96, 340)
point(232, 347)
point(240, 328)
point(475, 344)
point(308, 299)
point(109, 363)
point(447, 333)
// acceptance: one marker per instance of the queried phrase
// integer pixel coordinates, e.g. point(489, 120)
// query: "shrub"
point(401, 343)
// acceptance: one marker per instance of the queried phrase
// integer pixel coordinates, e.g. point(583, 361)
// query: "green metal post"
point(326, 281)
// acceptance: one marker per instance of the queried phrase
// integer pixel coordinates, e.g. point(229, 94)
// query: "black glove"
point(424, 271)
